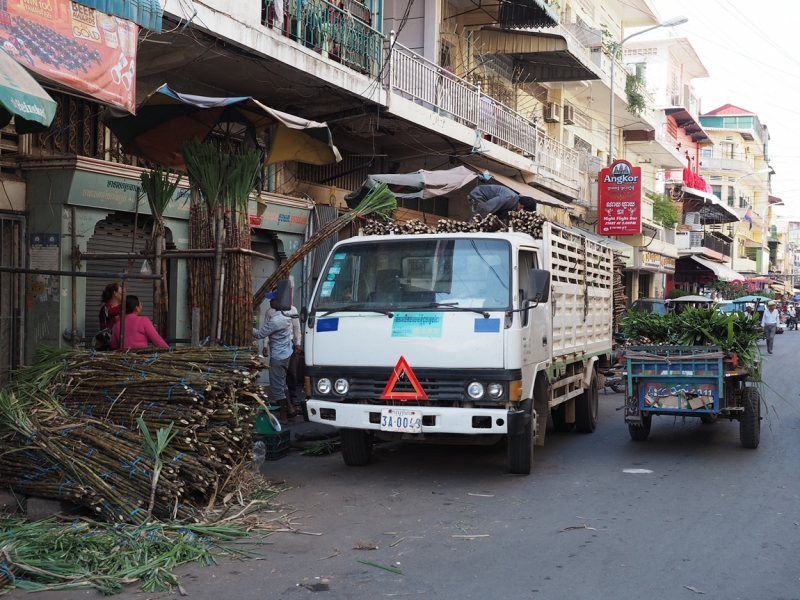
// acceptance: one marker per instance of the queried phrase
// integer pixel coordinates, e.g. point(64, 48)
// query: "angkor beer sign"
point(620, 200)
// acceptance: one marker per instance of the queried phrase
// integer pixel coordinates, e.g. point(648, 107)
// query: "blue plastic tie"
point(61, 486)
point(106, 475)
point(159, 414)
point(177, 456)
point(133, 512)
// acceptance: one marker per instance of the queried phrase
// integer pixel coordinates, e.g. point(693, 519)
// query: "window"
point(527, 261)
point(421, 274)
point(731, 195)
point(717, 191)
point(726, 149)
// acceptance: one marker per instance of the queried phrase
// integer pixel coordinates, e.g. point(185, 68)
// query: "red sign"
point(255, 221)
point(400, 368)
point(74, 45)
point(620, 199)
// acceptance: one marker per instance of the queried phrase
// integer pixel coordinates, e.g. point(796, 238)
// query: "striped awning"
point(147, 13)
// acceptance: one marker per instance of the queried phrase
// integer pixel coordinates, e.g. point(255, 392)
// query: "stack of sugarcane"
point(411, 227)
point(527, 222)
point(523, 221)
point(379, 201)
point(79, 421)
point(618, 286)
point(159, 185)
point(221, 288)
point(477, 224)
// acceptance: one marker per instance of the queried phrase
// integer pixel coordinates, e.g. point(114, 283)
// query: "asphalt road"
point(711, 517)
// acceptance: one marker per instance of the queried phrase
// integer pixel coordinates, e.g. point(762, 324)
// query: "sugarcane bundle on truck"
point(693, 362)
point(462, 334)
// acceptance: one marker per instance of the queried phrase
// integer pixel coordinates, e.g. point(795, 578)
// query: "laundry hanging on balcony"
point(420, 184)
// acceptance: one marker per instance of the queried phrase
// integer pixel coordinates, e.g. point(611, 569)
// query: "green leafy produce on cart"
point(735, 333)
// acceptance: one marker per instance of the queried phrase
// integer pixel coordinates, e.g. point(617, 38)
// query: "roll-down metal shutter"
point(115, 234)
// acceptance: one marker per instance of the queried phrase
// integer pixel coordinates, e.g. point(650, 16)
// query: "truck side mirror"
point(538, 286)
point(284, 299)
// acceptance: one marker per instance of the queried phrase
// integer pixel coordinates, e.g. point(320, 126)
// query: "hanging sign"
point(620, 199)
point(75, 45)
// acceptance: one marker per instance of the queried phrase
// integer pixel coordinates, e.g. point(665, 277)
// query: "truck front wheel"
point(586, 408)
point(356, 446)
point(520, 445)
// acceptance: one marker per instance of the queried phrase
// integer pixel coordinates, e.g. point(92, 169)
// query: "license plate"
point(401, 420)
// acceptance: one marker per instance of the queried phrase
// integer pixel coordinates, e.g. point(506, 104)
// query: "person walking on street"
point(277, 329)
point(770, 323)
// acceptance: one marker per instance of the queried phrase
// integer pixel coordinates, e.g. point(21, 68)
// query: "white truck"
point(459, 337)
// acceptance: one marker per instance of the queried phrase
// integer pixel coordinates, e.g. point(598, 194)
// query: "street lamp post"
point(668, 23)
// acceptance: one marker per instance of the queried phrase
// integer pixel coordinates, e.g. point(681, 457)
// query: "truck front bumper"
point(469, 421)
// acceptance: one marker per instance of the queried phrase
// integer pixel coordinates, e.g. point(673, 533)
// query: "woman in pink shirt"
point(138, 329)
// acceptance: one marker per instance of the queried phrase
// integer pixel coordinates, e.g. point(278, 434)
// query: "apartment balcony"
point(737, 165)
point(704, 244)
point(426, 84)
point(342, 32)
point(659, 147)
point(542, 54)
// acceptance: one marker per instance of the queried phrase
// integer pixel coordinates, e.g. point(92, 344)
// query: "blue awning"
point(147, 13)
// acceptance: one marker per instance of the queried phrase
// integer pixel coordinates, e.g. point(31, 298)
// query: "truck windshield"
point(447, 274)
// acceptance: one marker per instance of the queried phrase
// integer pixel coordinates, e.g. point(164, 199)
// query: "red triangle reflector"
point(402, 366)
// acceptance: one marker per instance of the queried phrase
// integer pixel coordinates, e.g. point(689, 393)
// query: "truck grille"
point(436, 389)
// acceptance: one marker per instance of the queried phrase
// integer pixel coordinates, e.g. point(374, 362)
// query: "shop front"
point(655, 273)
point(101, 206)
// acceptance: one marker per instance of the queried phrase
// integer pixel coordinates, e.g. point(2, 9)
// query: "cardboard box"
point(669, 402)
point(696, 402)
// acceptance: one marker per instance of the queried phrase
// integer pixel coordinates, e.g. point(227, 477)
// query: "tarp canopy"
point(419, 184)
point(147, 13)
point(721, 271)
point(166, 119)
point(23, 99)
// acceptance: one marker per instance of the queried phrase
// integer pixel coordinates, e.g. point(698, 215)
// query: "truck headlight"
point(341, 386)
point(324, 385)
point(475, 390)
point(495, 390)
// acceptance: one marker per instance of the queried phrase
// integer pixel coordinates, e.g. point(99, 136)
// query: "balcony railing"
point(345, 36)
point(423, 82)
point(717, 245)
point(694, 241)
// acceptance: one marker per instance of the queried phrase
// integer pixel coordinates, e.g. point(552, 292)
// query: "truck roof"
point(515, 237)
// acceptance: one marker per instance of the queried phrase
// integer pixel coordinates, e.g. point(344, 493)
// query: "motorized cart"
point(696, 381)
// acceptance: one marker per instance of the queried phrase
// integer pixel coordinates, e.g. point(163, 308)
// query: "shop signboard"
point(74, 45)
point(667, 264)
point(620, 199)
point(651, 260)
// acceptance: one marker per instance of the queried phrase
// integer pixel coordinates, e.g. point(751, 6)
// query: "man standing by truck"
point(770, 323)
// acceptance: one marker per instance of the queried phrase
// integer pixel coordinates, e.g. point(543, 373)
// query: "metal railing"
point(717, 245)
point(333, 32)
point(423, 82)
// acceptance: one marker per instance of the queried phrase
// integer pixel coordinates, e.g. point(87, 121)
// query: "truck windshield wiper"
point(360, 306)
point(453, 305)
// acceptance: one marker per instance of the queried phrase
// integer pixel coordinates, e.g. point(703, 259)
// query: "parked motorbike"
point(616, 379)
point(791, 322)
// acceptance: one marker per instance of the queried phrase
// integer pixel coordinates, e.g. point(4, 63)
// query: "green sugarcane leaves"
point(733, 332)
point(155, 447)
point(159, 185)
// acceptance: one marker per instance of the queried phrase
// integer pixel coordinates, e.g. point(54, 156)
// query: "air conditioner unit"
point(675, 100)
point(569, 114)
point(552, 112)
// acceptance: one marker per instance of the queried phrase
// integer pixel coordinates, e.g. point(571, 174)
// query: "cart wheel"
point(356, 446)
point(750, 421)
point(639, 433)
point(586, 408)
point(559, 415)
point(708, 418)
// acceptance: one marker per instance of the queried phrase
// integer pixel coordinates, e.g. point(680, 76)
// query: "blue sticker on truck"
point(328, 325)
point(487, 325)
point(417, 324)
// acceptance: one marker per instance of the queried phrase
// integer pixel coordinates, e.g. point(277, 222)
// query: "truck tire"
point(356, 446)
point(750, 421)
point(639, 433)
point(520, 447)
point(558, 414)
point(586, 408)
